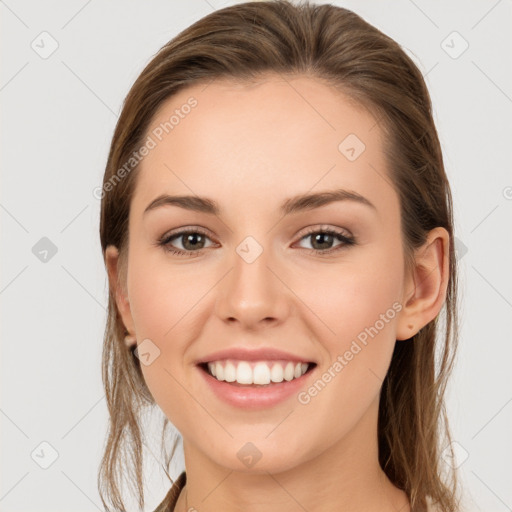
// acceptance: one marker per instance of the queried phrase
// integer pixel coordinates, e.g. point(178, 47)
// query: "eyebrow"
point(292, 205)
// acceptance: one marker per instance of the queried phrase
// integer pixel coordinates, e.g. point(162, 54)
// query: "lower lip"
point(253, 396)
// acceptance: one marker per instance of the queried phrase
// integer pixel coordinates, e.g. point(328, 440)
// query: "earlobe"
point(117, 288)
point(426, 286)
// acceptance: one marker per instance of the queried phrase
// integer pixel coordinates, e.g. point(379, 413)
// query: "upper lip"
point(260, 354)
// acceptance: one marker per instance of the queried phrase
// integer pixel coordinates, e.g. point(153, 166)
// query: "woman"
point(277, 228)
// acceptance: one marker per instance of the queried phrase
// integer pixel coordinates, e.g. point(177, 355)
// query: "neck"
point(347, 476)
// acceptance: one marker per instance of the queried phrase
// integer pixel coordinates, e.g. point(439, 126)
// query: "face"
point(267, 278)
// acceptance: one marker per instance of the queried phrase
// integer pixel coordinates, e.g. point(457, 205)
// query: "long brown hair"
point(329, 43)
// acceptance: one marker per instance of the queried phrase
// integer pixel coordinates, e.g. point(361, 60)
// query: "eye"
point(322, 240)
point(191, 241)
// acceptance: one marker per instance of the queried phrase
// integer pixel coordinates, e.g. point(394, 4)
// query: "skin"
point(249, 148)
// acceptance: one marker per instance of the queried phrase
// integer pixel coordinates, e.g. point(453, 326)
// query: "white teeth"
point(258, 372)
point(289, 371)
point(244, 373)
point(261, 374)
point(219, 371)
point(230, 372)
point(276, 374)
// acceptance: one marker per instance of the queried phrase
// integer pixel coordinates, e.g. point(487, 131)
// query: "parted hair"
point(333, 44)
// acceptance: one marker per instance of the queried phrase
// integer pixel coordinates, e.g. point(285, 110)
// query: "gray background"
point(59, 113)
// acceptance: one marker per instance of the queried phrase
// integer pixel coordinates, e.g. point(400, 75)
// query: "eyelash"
point(346, 240)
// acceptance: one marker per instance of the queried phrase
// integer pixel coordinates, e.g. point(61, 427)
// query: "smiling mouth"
point(256, 373)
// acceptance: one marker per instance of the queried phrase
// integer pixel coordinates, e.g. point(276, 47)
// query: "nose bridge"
point(251, 292)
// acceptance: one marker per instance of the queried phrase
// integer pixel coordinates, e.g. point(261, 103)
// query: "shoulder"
point(169, 502)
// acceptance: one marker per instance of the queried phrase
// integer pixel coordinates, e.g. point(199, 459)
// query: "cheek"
point(168, 304)
point(350, 297)
point(362, 306)
point(160, 313)
point(356, 306)
point(162, 295)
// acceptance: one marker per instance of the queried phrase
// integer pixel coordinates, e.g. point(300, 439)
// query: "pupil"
point(192, 238)
point(321, 236)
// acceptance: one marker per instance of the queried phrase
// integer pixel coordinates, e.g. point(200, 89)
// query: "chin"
point(260, 456)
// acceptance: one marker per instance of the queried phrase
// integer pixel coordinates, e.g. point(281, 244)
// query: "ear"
point(426, 284)
point(118, 290)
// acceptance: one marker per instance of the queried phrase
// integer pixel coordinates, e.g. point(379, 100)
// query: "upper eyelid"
point(313, 229)
point(176, 234)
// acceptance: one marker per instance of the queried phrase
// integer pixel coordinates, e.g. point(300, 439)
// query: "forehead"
point(273, 137)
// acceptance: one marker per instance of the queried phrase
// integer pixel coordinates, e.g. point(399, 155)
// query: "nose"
point(253, 294)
